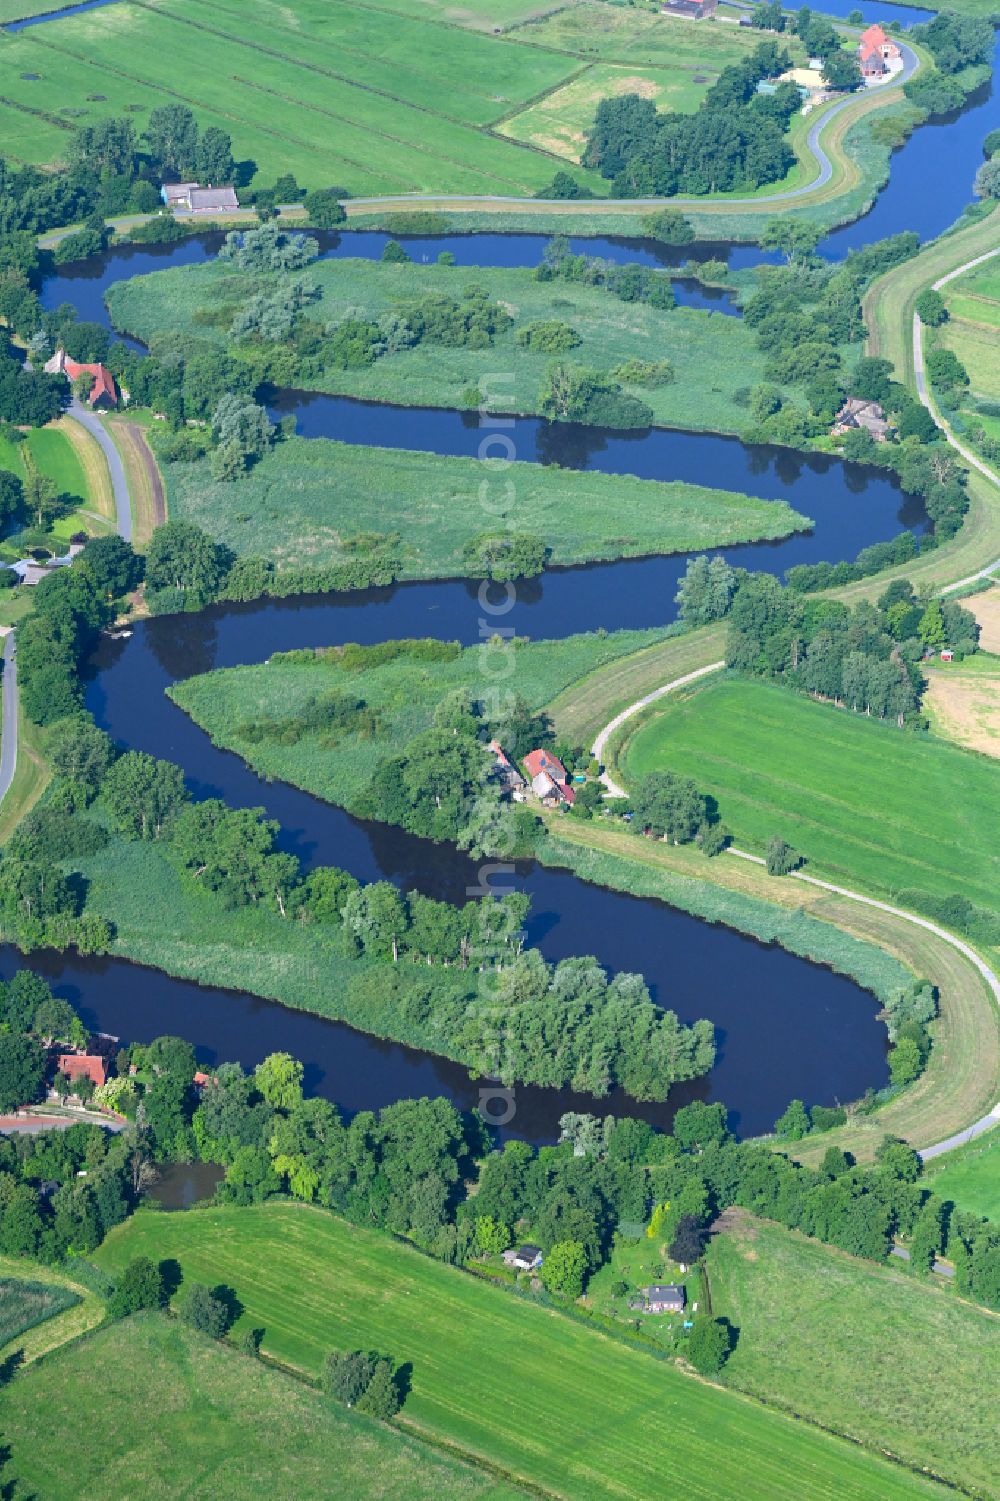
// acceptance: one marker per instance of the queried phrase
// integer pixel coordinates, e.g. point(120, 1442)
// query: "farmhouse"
point(664, 1297)
point(195, 199)
point(691, 10)
point(856, 412)
point(877, 56)
point(82, 1066)
point(507, 774)
point(103, 392)
point(524, 1259)
point(549, 779)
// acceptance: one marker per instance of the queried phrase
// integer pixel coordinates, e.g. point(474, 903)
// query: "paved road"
point(942, 1268)
point(985, 1122)
point(8, 737)
point(923, 392)
point(119, 484)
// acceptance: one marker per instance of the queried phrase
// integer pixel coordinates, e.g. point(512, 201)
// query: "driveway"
point(95, 427)
point(8, 738)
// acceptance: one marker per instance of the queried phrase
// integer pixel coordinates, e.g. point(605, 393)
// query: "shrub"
point(548, 336)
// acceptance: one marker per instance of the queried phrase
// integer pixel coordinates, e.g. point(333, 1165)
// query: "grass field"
point(308, 495)
point(714, 358)
point(964, 704)
point(781, 764)
point(973, 327)
point(866, 1350)
point(634, 37)
point(561, 121)
point(970, 1176)
point(25, 1304)
point(53, 453)
point(538, 1395)
point(211, 1423)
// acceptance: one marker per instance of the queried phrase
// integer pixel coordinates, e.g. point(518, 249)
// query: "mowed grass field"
point(714, 358)
point(375, 98)
point(866, 803)
point(149, 1408)
point(970, 1176)
point(973, 327)
point(863, 1349)
point(538, 1395)
point(307, 496)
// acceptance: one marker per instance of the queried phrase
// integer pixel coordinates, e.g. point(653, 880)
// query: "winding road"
point(985, 1122)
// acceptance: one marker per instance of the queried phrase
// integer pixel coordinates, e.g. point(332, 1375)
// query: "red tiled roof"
point(540, 760)
point(104, 381)
point(873, 37)
point(82, 1065)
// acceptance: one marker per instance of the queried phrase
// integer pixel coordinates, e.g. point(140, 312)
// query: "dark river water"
point(785, 1027)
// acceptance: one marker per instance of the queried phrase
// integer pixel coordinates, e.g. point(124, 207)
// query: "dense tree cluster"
point(630, 281)
point(735, 140)
point(864, 658)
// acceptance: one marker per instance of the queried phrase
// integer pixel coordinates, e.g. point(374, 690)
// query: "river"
point(785, 1027)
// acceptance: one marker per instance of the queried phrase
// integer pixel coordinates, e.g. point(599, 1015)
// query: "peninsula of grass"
point(714, 358)
point(865, 1350)
point(149, 1408)
point(867, 804)
point(543, 1398)
point(306, 500)
point(403, 694)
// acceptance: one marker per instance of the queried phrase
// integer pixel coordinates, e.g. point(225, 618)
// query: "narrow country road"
point(985, 1122)
point(95, 427)
point(8, 735)
point(923, 391)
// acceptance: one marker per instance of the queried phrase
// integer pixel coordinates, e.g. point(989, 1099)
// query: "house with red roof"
point(103, 392)
point(877, 54)
point(82, 1066)
point(549, 779)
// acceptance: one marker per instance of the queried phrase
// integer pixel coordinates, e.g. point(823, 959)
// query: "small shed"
point(947, 655)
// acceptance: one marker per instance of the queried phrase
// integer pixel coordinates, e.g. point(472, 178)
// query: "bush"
point(669, 226)
point(709, 1344)
point(564, 186)
point(548, 336)
point(140, 1286)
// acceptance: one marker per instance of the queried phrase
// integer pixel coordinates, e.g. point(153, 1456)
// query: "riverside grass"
point(863, 1349)
point(225, 1425)
point(308, 497)
point(866, 803)
point(542, 1397)
point(713, 356)
point(404, 693)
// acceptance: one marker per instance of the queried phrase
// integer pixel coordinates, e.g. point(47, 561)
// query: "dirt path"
point(149, 501)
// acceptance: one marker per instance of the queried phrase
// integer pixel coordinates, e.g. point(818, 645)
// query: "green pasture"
point(339, 94)
point(54, 455)
point(25, 1304)
point(863, 1349)
point(541, 1397)
point(403, 694)
point(308, 497)
point(868, 804)
point(149, 1408)
point(970, 1176)
point(595, 30)
point(714, 358)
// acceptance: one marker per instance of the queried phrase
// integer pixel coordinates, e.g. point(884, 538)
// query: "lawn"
point(970, 1176)
point(863, 1349)
point(714, 358)
point(542, 1397)
point(23, 1305)
point(173, 1414)
point(11, 457)
point(308, 497)
point(54, 454)
point(866, 803)
point(377, 101)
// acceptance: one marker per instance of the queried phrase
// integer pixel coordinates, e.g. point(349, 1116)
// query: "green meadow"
point(54, 454)
point(868, 804)
point(970, 1176)
point(714, 358)
point(306, 500)
point(866, 1350)
point(149, 1408)
point(541, 1397)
